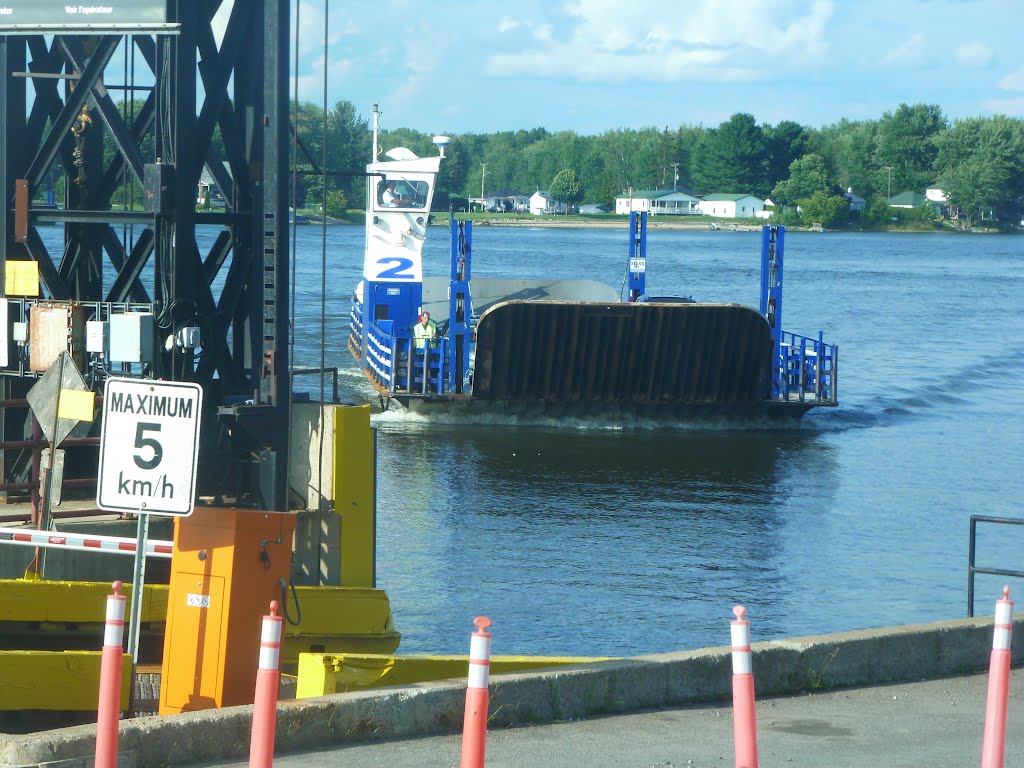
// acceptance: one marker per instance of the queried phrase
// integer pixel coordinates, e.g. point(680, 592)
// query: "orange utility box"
point(227, 565)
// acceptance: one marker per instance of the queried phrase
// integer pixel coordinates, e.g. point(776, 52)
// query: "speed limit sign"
point(148, 446)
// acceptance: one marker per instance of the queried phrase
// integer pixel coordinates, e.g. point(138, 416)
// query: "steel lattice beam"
point(238, 131)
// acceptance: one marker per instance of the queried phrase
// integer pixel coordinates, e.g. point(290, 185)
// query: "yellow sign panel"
point(21, 278)
point(76, 404)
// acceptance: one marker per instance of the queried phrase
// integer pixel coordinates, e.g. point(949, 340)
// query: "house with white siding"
point(519, 202)
point(541, 203)
point(730, 206)
point(658, 201)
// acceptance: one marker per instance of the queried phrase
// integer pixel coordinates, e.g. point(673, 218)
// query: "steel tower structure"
point(147, 104)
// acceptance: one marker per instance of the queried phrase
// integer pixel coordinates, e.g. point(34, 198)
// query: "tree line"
point(978, 161)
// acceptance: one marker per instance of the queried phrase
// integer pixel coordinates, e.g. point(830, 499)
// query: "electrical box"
point(158, 188)
point(55, 327)
point(132, 337)
point(96, 336)
point(189, 338)
point(226, 567)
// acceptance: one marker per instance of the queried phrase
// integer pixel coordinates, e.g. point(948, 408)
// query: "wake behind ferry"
point(564, 347)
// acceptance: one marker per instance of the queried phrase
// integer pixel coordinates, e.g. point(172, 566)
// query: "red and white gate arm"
point(115, 545)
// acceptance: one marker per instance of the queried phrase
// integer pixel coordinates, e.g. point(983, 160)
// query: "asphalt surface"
point(934, 724)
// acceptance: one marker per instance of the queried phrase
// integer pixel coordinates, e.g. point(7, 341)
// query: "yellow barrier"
point(334, 619)
point(322, 674)
point(354, 476)
point(56, 680)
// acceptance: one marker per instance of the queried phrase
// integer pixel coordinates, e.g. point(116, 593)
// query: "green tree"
point(807, 175)
point(452, 176)
point(606, 188)
point(981, 163)
point(732, 158)
point(566, 188)
point(336, 203)
point(876, 214)
point(848, 149)
point(828, 210)
point(786, 142)
point(906, 144)
point(349, 142)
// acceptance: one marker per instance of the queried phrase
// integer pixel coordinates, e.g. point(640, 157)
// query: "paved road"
point(930, 724)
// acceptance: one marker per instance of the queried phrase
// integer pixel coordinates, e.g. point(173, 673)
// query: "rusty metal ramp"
point(644, 353)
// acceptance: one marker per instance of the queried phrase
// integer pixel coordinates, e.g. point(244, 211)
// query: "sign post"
point(158, 422)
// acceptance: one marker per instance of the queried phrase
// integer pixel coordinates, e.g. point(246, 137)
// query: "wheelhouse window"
point(402, 193)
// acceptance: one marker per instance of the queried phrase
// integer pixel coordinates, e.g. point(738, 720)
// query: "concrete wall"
point(899, 654)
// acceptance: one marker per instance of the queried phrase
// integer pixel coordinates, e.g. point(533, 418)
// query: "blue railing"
point(426, 373)
point(396, 364)
point(806, 369)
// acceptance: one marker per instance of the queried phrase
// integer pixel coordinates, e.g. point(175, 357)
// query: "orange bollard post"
point(109, 707)
point(994, 745)
point(744, 718)
point(268, 679)
point(474, 724)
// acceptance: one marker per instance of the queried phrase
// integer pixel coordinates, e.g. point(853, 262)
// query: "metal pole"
point(43, 523)
point(970, 569)
point(138, 583)
point(483, 175)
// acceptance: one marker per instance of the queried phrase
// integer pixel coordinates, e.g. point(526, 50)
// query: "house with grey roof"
point(658, 201)
point(731, 206)
point(856, 202)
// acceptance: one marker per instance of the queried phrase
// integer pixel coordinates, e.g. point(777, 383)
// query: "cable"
point(323, 298)
point(284, 602)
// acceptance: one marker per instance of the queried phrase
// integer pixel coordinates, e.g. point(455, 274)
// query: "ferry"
point(564, 347)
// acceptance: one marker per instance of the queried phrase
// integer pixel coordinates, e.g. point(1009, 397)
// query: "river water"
point(592, 538)
point(623, 539)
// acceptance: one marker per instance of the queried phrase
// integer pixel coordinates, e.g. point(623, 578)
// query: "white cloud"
point(909, 52)
point(1014, 106)
point(311, 27)
point(973, 54)
point(1013, 81)
point(707, 40)
point(505, 24)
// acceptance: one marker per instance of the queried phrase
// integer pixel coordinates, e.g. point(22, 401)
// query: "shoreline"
point(668, 223)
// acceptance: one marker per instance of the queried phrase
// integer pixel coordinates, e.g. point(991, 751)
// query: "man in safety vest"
point(425, 330)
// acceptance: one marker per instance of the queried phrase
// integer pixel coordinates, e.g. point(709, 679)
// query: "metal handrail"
point(332, 370)
point(811, 362)
point(973, 569)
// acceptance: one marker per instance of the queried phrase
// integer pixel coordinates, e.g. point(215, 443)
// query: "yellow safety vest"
point(421, 332)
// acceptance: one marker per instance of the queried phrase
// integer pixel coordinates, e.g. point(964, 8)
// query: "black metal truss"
point(153, 254)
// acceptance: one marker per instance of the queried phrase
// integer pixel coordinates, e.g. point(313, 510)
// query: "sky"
point(479, 66)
